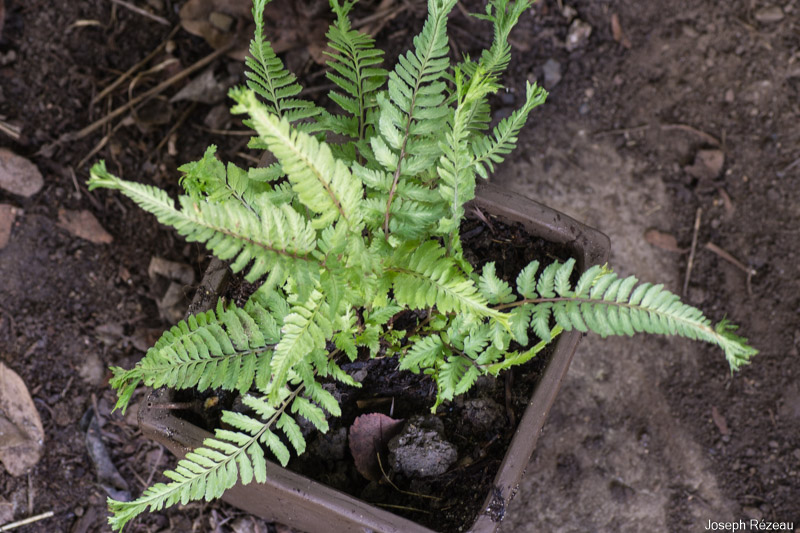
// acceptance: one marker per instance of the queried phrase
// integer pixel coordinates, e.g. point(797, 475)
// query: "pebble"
point(796, 454)
point(753, 513)
point(420, 450)
point(18, 175)
point(578, 35)
point(769, 14)
point(552, 73)
point(92, 370)
point(729, 96)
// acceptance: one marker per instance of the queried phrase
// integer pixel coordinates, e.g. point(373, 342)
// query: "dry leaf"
point(219, 22)
point(369, 435)
point(83, 224)
point(18, 175)
point(616, 31)
point(21, 432)
point(662, 240)
point(7, 215)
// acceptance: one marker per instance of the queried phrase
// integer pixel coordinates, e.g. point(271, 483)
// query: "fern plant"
point(341, 237)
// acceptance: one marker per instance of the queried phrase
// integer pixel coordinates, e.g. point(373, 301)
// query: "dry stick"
point(142, 12)
point(690, 265)
point(710, 246)
point(25, 522)
point(15, 132)
point(710, 139)
point(80, 134)
point(136, 67)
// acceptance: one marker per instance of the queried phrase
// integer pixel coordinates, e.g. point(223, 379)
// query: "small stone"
point(569, 13)
point(157, 5)
point(483, 414)
point(92, 370)
point(18, 175)
point(729, 96)
point(578, 35)
point(796, 454)
point(769, 14)
point(552, 73)
point(707, 164)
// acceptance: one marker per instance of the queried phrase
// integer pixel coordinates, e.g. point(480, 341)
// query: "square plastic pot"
point(309, 506)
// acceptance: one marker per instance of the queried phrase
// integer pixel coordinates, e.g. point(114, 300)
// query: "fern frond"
point(607, 305)
point(355, 71)
point(222, 349)
point(489, 151)
point(281, 238)
point(323, 184)
point(415, 96)
point(268, 77)
point(503, 15)
point(424, 277)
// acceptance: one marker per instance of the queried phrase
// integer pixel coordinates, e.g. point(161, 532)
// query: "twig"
point(142, 12)
point(136, 67)
point(693, 249)
point(787, 168)
point(155, 466)
point(750, 272)
point(15, 132)
point(710, 139)
point(26, 521)
point(80, 134)
point(622, 130)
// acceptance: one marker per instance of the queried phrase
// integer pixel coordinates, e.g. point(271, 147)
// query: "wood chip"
point(616, 32)
point(665, 241)
point(18, 175)
point(21, 431)
point(83, 224)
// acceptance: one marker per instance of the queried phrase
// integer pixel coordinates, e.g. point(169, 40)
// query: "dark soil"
point(69, 307)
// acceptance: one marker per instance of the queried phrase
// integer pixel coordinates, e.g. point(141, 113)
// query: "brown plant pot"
point(304, 504)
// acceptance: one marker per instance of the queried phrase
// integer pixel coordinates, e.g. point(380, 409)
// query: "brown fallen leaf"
point(719, 421)
point(616, 32)
point(219, 22)
point(369, 435)
point(21, 432)
point(663, 240)
point(83, 224)
point(7, 215)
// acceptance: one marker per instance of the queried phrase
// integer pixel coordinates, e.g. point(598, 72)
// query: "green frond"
point(493, 288)
point(489, 151)
point(602, 303)
point(424, 277)
point(354, 69)
point(279, 238)
point(305, 329)
point(221, 349)
point(270, 79)
point(323, 184)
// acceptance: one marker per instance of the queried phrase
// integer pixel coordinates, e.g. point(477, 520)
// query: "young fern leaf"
point(208, 179)
point(223, 349)
point(322, 183)
point(413, 109)
point(354, 70)
point(607, 305)
point(490, 151)
point(269, 78)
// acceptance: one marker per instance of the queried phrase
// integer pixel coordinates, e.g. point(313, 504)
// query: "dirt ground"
point(677, 107)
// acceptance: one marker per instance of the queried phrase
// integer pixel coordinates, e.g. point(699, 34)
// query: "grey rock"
point(420, 450)
point(552, 73)
point(18, 175)
point(578, 35)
